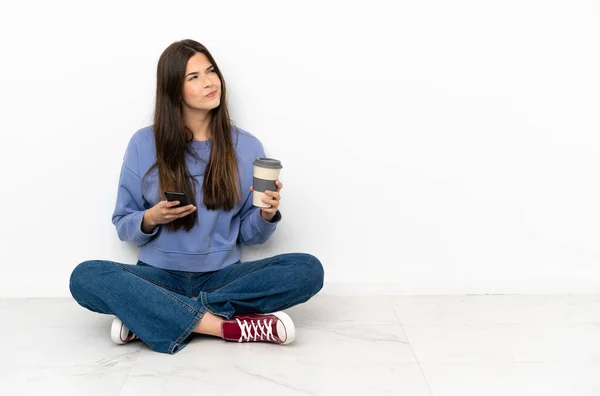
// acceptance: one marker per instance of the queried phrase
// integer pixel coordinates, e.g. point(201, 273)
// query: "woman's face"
point(201, 79)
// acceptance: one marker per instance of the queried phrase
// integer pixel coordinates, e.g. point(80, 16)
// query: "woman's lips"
point(212, 94)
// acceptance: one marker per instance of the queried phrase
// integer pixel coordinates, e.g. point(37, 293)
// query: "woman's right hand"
point(164, 212)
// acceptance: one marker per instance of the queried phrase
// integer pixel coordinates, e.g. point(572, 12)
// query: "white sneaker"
point(120, 334)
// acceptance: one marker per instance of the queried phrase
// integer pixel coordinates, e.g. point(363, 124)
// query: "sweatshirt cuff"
point(141, 237)
point(267, 226)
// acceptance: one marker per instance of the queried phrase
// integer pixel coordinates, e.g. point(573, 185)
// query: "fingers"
point(170, 205)
point(271, 209)
point(272, 195)
point(186, 208)
point(187, 211)
point(169, 212)
point(271, 202)
point(173, 214)
point(272, 198)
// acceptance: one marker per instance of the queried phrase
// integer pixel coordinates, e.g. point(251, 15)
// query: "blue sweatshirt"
point(216, 239)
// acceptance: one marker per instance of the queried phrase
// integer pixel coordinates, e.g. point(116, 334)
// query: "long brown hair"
point(220, 189)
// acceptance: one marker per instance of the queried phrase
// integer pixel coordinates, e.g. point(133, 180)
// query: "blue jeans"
point(163, 307)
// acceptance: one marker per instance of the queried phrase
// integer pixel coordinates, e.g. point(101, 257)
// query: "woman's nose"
point(209, 81)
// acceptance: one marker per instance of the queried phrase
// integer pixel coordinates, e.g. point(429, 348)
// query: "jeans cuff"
point(183, 341)
point(204, 301)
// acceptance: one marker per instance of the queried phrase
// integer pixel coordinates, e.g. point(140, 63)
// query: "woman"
point(189, 277)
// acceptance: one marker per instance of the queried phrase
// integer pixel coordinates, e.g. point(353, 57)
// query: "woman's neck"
point(198, 124)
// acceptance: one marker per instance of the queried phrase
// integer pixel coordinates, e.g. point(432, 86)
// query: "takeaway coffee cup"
point(266, 172)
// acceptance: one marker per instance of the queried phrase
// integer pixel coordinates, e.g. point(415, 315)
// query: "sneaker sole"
point(288, 324)
point(116, 331)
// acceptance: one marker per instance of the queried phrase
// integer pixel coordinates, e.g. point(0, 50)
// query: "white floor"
point(449, 345)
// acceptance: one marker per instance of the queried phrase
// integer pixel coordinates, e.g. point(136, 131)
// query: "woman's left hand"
point(272, 198)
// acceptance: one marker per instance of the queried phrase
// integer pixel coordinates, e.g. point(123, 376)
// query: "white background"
point(428, 147)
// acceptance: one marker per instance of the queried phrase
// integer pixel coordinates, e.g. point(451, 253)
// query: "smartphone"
point(177, 196)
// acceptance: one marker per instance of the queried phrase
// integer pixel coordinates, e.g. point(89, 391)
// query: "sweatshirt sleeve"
point(254, 230)
point(129, 209)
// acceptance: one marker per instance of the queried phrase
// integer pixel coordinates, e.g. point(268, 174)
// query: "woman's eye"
point(210, 71)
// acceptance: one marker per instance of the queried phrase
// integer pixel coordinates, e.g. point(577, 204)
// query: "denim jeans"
point(163, 307)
